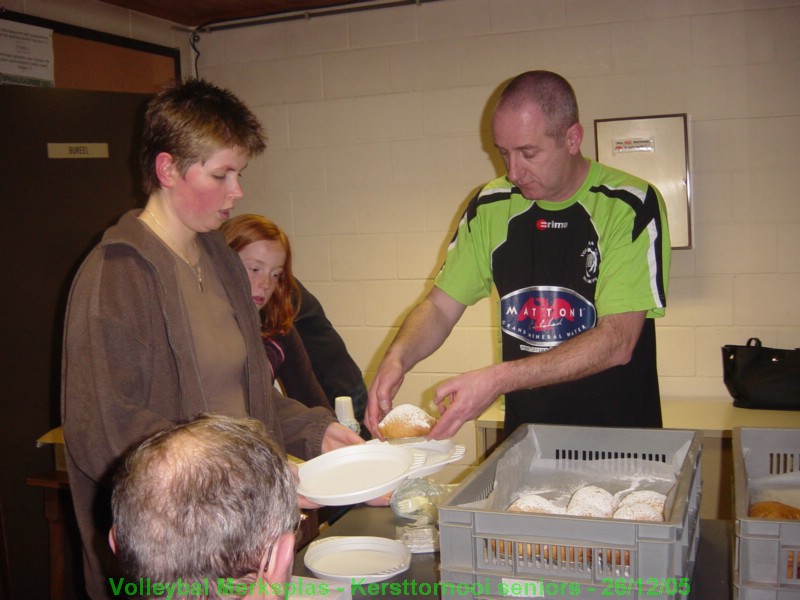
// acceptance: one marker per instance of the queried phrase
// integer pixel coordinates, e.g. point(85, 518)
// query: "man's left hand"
point(462, 398)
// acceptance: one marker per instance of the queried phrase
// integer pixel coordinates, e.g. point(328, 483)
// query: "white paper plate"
point(357, 473)
point(438, 453)
point(363, 558)
point(438, 457)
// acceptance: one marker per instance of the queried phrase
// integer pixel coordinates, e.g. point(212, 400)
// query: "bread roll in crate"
point(766, 471)
point(495, 530)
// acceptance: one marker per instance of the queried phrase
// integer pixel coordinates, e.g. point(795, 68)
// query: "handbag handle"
point(755, 342)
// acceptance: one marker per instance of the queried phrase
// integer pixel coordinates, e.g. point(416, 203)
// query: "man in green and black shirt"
point(579, 254)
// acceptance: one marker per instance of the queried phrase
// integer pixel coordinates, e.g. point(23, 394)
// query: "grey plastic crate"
point(593, 558)
point(767, 554)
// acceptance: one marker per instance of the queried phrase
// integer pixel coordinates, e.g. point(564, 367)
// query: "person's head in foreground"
point(207, 501)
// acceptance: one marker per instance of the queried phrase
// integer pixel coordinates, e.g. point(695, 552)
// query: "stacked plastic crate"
point(767, 554)
point(494, 554)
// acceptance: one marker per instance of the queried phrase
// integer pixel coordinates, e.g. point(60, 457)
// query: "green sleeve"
point(627, 281)
point(466, 275)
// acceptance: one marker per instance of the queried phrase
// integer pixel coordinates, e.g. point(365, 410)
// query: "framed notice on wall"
point(656, 149)
point(81, 59)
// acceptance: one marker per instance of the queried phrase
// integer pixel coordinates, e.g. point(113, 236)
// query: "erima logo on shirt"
point(545, 315)
point(541, 225)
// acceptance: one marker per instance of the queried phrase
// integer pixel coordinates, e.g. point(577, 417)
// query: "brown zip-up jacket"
point(129, 369)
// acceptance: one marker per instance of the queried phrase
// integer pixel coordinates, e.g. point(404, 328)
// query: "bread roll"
point(406, 420)
point(770, 509)
point(533, 503)
point(654, 499)
point(549, 554)
point(592, 501)
point(504, 549)
point(640, 511)
point(584, 509)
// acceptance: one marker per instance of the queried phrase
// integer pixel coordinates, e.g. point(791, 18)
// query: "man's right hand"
point(384, 388)
point(423, 331)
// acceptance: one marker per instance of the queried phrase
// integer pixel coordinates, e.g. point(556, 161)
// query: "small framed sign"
point(657, 150)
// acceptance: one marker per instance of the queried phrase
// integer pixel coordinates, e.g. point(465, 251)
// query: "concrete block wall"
point(378, 125)
point(379, 135)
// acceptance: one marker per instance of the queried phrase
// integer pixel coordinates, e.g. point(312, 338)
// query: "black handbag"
point(761, 377)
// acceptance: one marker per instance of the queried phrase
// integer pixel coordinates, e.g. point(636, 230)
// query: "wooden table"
point(55, 484)
point(715, 417)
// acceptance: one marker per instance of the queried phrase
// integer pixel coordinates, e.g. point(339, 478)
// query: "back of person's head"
point(200, 501)
point(551, 92)
point(243, 230)
point(191, 120)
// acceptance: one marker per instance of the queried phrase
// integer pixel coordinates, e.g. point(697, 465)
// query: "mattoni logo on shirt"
point(546, 315)
point(542, 224)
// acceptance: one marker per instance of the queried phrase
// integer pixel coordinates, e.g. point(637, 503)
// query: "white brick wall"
point(378, 126)
point(379, 165)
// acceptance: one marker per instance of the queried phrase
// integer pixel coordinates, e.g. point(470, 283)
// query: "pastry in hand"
point(770, 509)
point(406, 420)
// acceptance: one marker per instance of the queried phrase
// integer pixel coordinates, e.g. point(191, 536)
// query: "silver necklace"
point(198, 272)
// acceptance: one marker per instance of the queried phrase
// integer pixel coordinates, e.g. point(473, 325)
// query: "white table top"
point(716, 417)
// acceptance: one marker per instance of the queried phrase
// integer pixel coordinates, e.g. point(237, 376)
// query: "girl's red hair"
point(281, 309)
